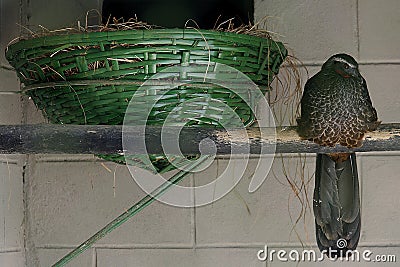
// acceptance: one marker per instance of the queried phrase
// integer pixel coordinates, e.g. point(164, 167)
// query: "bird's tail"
point(336, 203)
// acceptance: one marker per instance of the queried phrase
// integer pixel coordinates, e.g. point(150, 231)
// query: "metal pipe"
point(106, 139)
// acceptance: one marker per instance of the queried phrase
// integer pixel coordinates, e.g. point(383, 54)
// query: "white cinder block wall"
point(11, 166)
point(67, 199)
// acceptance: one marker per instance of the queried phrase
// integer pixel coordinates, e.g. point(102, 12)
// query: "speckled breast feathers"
point(336, 107)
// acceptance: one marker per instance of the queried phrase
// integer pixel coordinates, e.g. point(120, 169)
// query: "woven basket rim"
point(88, 37)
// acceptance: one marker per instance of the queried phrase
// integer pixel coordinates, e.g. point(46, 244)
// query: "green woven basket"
point(89, 78)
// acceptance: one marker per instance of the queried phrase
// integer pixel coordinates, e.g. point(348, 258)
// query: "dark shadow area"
point(175, 13)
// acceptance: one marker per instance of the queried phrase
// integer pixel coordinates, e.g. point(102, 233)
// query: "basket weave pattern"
point(89, 78)
point(136, 55)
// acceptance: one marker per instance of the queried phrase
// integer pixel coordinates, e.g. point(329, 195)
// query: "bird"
point(336, 109)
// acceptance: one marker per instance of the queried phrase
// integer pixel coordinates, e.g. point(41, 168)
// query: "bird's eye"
point(346, 66)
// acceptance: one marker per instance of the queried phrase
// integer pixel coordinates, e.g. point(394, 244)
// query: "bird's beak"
point(355, 73)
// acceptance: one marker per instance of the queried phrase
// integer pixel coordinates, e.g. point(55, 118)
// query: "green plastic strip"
point(132, 211)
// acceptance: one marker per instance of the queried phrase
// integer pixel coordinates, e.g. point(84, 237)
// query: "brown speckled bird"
point(336, 109)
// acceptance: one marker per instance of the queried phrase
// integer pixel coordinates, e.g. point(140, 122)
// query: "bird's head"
point(344, 65)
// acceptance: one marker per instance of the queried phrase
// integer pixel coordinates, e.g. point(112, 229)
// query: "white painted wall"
point(11, 166)
point(70, 198)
